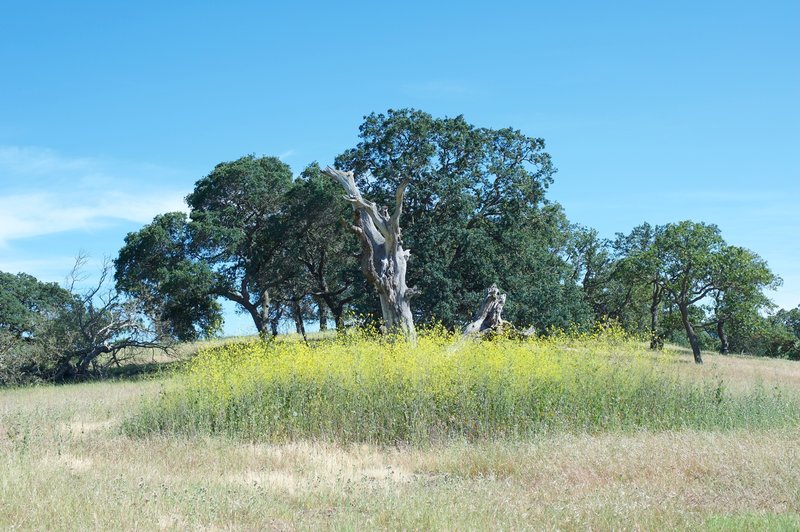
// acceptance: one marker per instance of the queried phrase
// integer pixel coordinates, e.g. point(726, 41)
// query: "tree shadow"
point(134, 371)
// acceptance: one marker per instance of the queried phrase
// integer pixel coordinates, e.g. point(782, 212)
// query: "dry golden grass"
point(177, 353)
point(740, 372)
point(65, 464)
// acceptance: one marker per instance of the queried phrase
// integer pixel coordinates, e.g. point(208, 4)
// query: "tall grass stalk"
point(368, 389)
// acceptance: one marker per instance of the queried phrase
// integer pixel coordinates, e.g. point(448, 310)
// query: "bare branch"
point(367, 256)
point(353, 195)
point(76, 274)
point(398, 205)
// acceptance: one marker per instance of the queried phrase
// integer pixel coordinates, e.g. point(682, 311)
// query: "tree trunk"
point(259, 312)
point(261, 324)
point(655, 340)
point(275, 321)
point(723, 338)
point(338, 317)
point(489, 316)
point(690, 333)
point(297, 315)
point(83, 365)
point(383, 259)
point(323, 315)
point(299, 326)
point(258, 315)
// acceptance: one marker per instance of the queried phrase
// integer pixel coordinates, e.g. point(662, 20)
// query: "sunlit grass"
point(363, 388)
point(65, 463)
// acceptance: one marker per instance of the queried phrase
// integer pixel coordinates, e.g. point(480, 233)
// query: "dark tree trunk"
point(724, 346)
point(257, 315)
point(82, 367)
point(655, 340)
point(297, 316)
point(259, 311)
point(331, 303)
point(383, 259)
point(338, 317)
point(299, 326)
point(275, 321)
point(261, 325)
point(687, 324)
point(323, 315)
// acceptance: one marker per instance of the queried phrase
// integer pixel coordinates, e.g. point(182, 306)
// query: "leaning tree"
point(690, 258)
point(383, 259)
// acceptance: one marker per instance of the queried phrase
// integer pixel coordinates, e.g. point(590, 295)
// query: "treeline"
point(281, 247)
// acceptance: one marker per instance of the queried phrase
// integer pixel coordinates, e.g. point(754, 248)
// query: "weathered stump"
point(489, 317)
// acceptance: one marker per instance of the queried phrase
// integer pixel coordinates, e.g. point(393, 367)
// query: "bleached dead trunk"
point(383, 259)
point(489, 316)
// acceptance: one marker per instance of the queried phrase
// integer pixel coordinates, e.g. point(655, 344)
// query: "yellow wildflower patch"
point(367, 388)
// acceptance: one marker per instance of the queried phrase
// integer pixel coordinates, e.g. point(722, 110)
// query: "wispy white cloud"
point(37, 214)
point(42, 193)
point(54, 268)
point(285, 155)
point(19, 161)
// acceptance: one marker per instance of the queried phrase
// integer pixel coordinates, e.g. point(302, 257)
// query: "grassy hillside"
point(67, 463)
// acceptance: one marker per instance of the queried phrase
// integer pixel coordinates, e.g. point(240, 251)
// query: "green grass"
point(754, 521)
point(364, 389)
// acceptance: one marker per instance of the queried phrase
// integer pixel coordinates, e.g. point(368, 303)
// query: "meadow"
point(568, 432)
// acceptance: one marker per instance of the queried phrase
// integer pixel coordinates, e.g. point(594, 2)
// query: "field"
point(81, 457)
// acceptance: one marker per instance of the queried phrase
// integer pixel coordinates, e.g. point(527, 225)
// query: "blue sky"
point(109, 112)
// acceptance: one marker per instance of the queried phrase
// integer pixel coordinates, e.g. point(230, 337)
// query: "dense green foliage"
point(776, 335)
point(156, 264)
point(254, 236)
point(31, 314)
point(683, 277)
point(229, 248)
point(475, 213)
point(25, 301)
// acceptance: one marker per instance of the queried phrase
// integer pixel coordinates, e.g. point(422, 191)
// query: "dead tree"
point(100, 324)
point(383, 259)
point(489, 317)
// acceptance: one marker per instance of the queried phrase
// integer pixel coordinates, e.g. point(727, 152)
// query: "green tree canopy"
point(742, 277)
point(254, 236)
point(158, 266)
point(689, 268)
point(51, 332)
point(24, 301)
point(322, 245)
point(232, 246)
point(475, 213)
